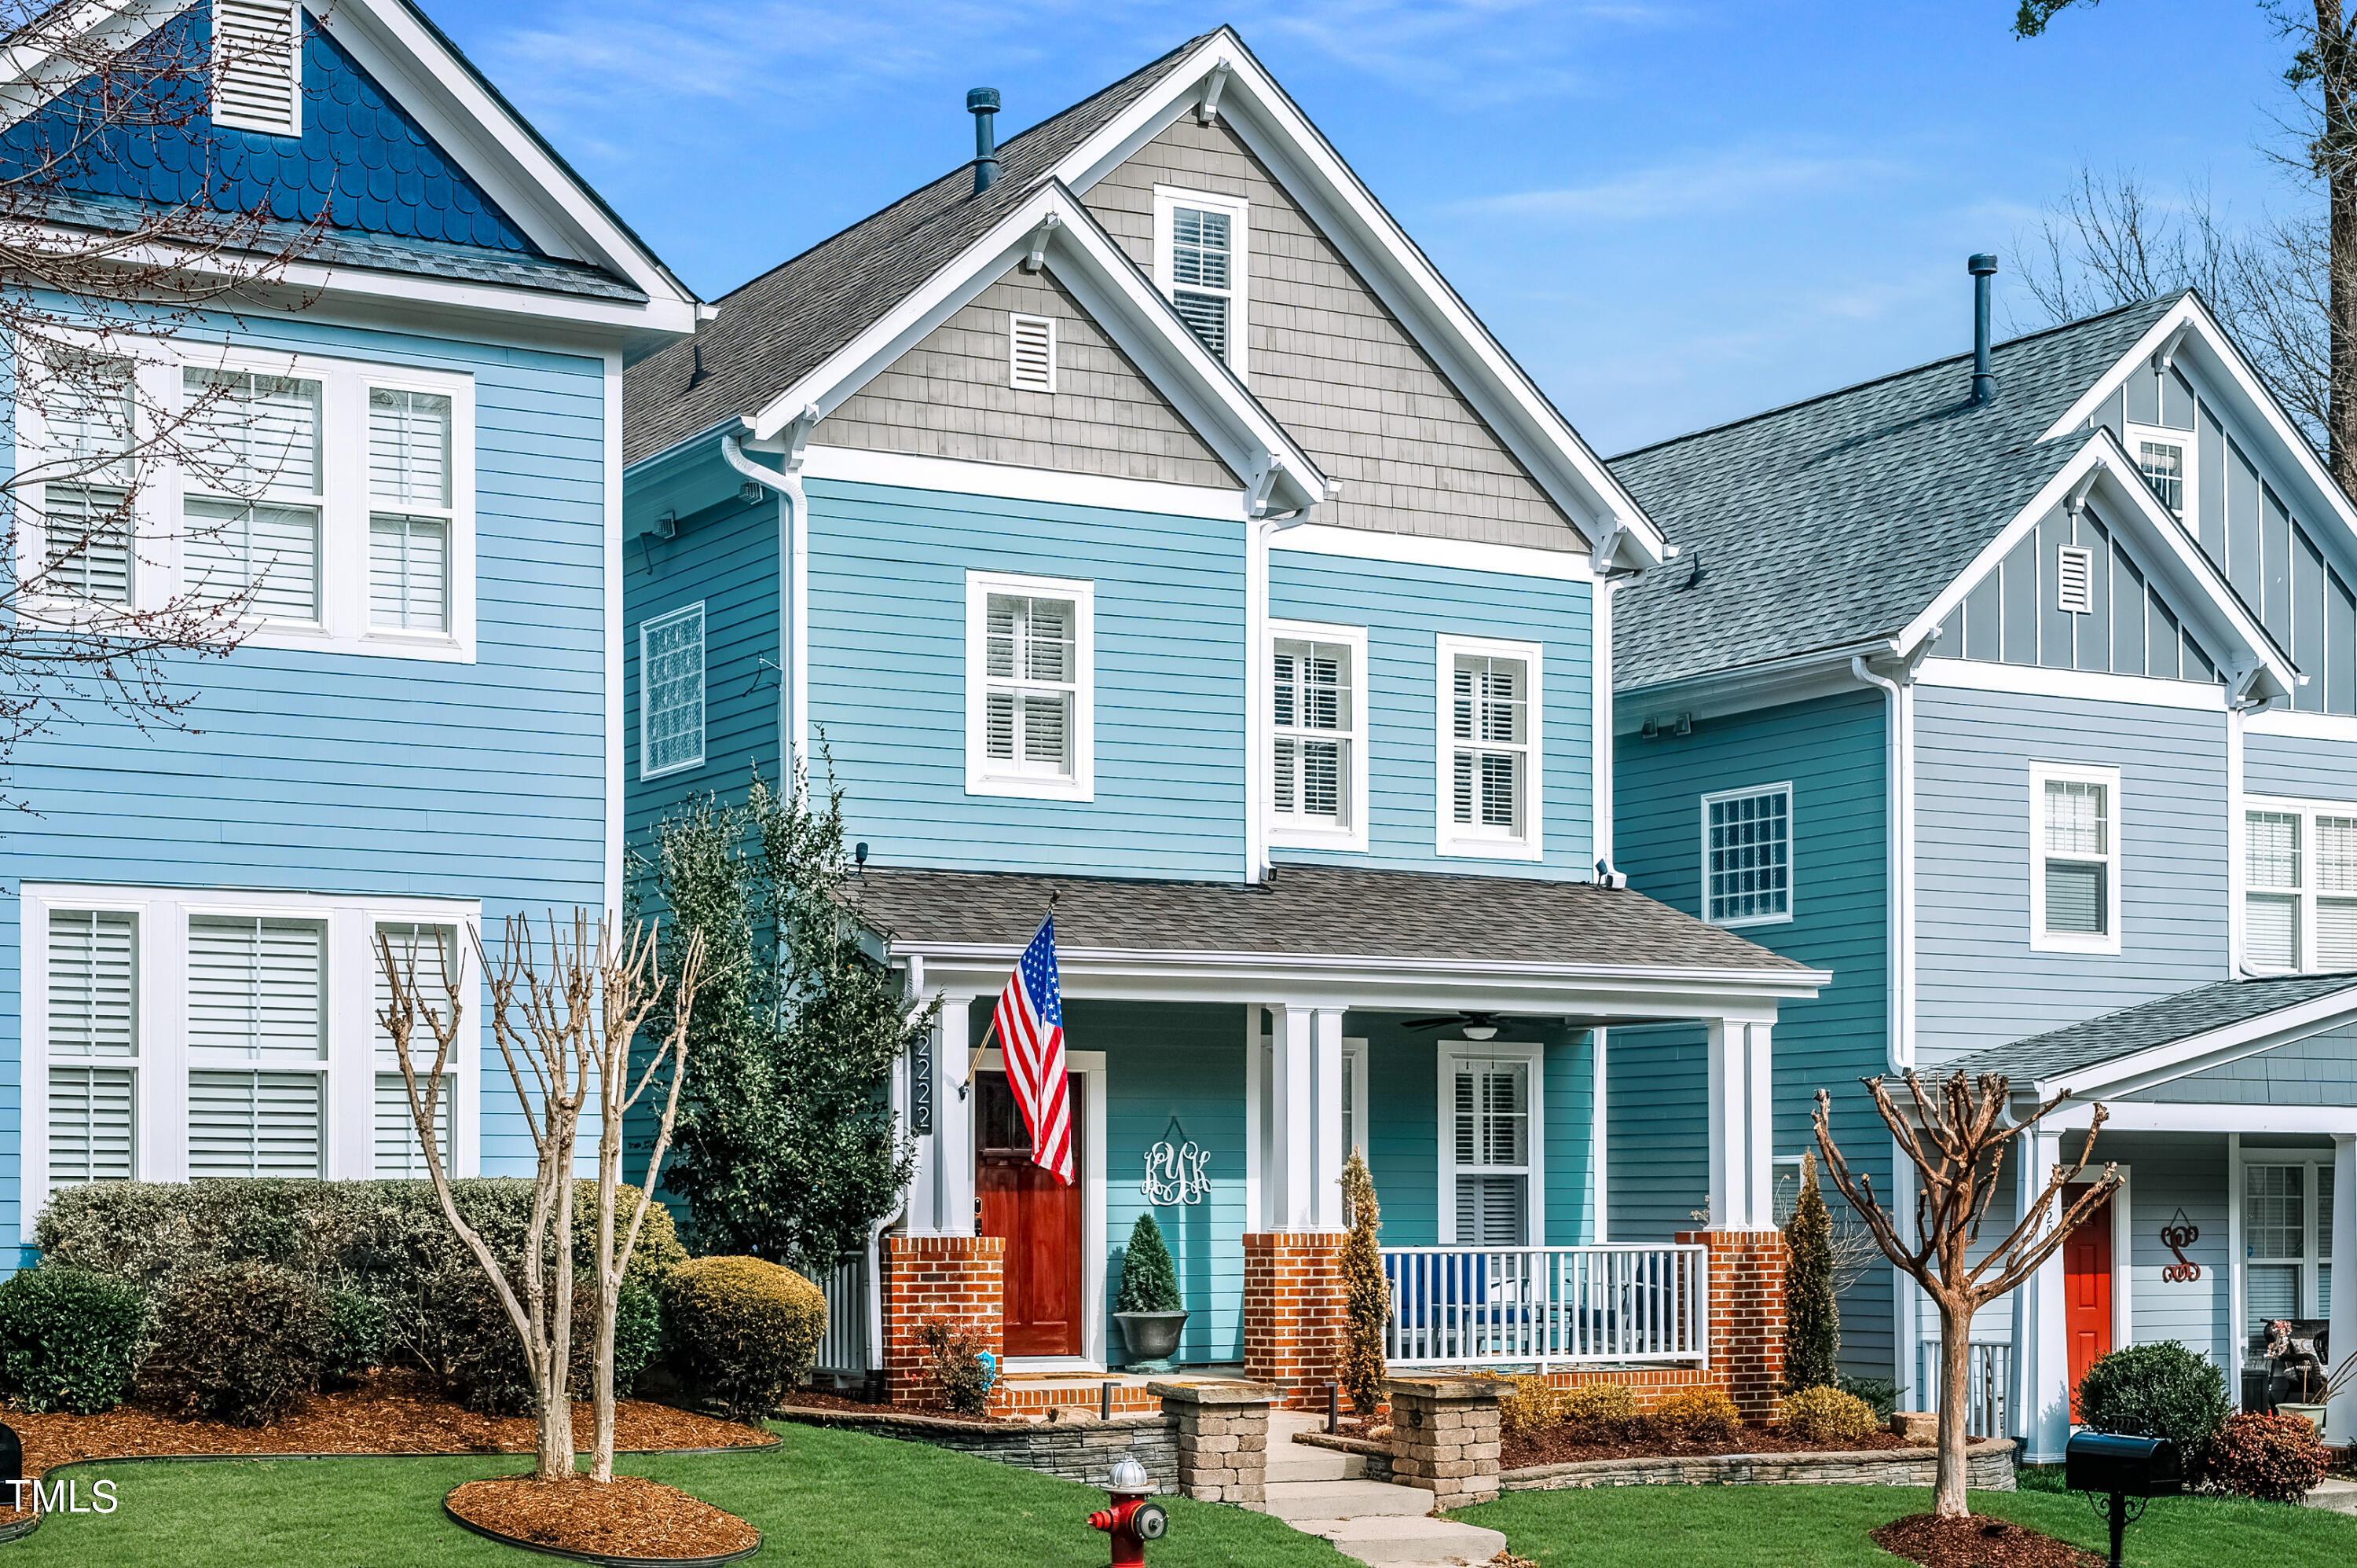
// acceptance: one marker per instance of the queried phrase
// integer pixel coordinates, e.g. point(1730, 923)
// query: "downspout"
point(1263, 526)
point(793, 588)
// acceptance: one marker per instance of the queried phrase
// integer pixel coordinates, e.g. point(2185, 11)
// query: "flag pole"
point(974, 1062)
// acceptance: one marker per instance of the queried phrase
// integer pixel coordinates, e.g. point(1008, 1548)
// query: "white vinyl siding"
point(255, 988)
point(1032, 353)
point(1029, 685)
point(258, 66)
point(252, 487)
point(254, 1125)
point(87, 411)
point(1202, 242)
point(2075, 859)
point(92, 1015)
point(1748, 855)
point(670, 687)
point(411, 510)
point(2299, 888)
point(1490, 1139)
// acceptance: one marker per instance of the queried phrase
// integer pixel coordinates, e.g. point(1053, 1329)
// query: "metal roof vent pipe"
point(982, 102)
point(1983, 268)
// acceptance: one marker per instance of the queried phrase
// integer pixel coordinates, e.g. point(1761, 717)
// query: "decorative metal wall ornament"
point(1175, 1173)
point(2178, 1235)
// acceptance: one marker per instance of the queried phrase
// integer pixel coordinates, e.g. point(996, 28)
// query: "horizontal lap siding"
point(337, 773)
point(2178, 1179)
point(1406, 610)
point(2303, 767)
point(1979, 982)
point(888, 681)
point(1833, 752)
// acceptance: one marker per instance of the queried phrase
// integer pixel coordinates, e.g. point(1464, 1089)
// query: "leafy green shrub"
point(1826, 1415)
point(488, 1372)
point(743, 1330)
point(1529, 1407)
point(1699, 1415)
point(1150, 1282)
point(1603, 1412)
point(2156, 1390)
point(69, 1339)
point(957, 1365)
point(355, 1335)
point(1880, 1394)
point(242, 1343)
point(2275, 1458)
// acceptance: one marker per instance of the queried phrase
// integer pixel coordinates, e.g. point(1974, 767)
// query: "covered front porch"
point(1228, 1045)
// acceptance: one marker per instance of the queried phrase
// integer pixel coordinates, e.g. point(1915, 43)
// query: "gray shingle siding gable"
point(2201, 1010)
point(2319, 1070)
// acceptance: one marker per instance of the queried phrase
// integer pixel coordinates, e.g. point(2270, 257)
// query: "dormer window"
point(1199, 245)
point(2165, 457)
point(258, 66)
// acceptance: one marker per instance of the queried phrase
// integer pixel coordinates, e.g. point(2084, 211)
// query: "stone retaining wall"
point(1083, 1451)
point(1988, 1467)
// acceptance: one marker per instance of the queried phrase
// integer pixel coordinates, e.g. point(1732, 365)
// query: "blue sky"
point(1673, 214)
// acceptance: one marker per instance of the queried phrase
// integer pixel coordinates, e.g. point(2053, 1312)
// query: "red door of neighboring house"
point(2087, 1289)
point(1039, 1216)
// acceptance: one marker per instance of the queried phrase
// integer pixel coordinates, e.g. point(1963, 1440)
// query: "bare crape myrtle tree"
point(566, 1016)
point(93, 287)
point(1955, 1135)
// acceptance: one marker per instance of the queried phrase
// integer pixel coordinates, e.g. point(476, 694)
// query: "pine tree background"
point(1149, 1281)
point(1367, 1296)
point(1812, 1319)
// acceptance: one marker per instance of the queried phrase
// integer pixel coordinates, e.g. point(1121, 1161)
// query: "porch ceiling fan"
point(1475, 1026)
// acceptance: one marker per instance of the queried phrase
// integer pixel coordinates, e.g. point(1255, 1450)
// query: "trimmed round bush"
point(1529, 1406)
point(2156, 1390)
point(244, 1342)
point(1604, 1410)
point(69, 1339)
point(1699, 1415)
point(2274, 1458)
point(355, 1335)
point(1826, 1415)
point(742, 1330)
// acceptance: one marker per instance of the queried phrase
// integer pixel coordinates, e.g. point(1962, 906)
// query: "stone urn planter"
point(1152, 1339)
point(2311, 1413)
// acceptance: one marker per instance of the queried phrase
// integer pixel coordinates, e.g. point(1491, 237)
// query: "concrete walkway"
point(2334, 1493)
point(1320, 1492)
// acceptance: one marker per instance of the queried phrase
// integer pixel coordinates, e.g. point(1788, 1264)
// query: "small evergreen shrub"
point(1149, 1281)
point(2274, 1458)
point(1529, 1407)
point(638, 1336)
point(1880, 1393)
point(743, 1331)
point(2156, 1390)
point(957, 1365)
point(1601, 1412)
point(489, 1371)
point(1812, 1318)
point(1366, 1293)
point(355, 1335)
point(1826, 1415)
point(1699, 1415)
point(244, 1342)
point(69, 1339)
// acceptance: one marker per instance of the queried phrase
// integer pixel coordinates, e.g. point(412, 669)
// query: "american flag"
point(1030, 1026)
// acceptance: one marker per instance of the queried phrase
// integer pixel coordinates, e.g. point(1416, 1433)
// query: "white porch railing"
point(844, 1347)
point(1987, 1377)
point(1547, 1305)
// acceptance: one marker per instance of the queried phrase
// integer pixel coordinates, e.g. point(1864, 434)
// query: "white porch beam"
point(1741, 1132)
point(2340, 1418)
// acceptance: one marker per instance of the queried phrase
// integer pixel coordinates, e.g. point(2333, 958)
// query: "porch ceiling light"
point(1481, 1031)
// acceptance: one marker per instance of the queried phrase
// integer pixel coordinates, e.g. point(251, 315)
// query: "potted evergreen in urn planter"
point(1148, 1308)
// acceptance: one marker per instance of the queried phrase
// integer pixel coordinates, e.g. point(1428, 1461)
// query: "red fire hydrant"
point(1134, 1520)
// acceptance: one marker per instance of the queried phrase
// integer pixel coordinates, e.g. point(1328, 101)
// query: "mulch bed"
point(627, 1517)
point(1564, 1446)
point(389, 1412)
point(1976, 1541)
point(811, 1398)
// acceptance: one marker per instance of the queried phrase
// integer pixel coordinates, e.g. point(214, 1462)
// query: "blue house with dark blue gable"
point(399, 463)
point(1137, 522)
point(2032, 715)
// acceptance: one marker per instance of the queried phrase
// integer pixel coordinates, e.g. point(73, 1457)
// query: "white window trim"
point(1355, 1052)
point(2189, 519)
point(1534, 1202)
point(1016, 320)
point(2307, 812)
point(2041, 939)
point(1166, 197)
point(1791, 859)
point(1352, 836)
point(704, 678)
point(344, 501)
point(160, 1067)
point(2244, 1156)
point(979, 777)
point(1446, 840)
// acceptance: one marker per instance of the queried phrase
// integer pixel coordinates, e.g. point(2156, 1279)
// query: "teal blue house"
point(1135, 522)
point(391, 460)
point(2029, 711)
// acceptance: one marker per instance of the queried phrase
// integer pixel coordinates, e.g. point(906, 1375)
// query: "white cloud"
point(1717, 183)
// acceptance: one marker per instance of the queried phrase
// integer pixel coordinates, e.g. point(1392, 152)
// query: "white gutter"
point(793, 589)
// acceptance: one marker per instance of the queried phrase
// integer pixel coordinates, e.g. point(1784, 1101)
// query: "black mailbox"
point(2113, 1462)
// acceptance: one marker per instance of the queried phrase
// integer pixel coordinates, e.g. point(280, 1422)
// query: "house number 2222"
point(1175, 1173)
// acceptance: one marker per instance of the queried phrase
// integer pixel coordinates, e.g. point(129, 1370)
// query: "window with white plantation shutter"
point(1490, 1149)
point(2074, 858)
point(252, 485)
point(256, 988)
point(2287, 1200)
point(86, 409)
point(2271, 877)
point(1031, 353)
point(410, 517)
point(254, 1125)
point(1489, 751)
point(2299, 888)
point(2336, 894)
point(670, 687)
point(257, 66)
point(1200, 258)
point(397, 1151)
point(1313, 717)
point(89, 1124)
point(1032, 664)
point(92, 984)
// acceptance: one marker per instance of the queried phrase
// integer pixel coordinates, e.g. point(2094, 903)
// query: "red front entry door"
point(1039, 1216)
point(2087, 1289)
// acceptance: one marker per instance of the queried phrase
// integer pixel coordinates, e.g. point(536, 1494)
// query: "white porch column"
point(2340, 1422)
point(1742, 1147)
point(944, 1179)
point(1325, 1199)
point(2041, 1345)
point(1292, 1126)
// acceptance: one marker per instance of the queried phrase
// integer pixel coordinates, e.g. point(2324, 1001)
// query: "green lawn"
point(825, 1497)
point(1826, 1527)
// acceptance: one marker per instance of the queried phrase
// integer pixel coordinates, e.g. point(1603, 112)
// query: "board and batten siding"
point(364, 774)
point(1406, 610)
point(1833, 752)
point(1334, 365)
point(888, 681)
point(1979, 981)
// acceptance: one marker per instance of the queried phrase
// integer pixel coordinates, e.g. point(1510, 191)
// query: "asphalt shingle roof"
point(785, 323)
point(2078, 1047)
point(1311, 910)
point(1835, 520)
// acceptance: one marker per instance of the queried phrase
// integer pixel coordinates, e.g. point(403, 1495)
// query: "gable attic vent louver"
point(1031, 347)
point(258, 66)
point(2075, 580)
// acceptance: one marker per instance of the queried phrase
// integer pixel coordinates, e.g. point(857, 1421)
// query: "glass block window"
point(1747, 853)
point(671, 692)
